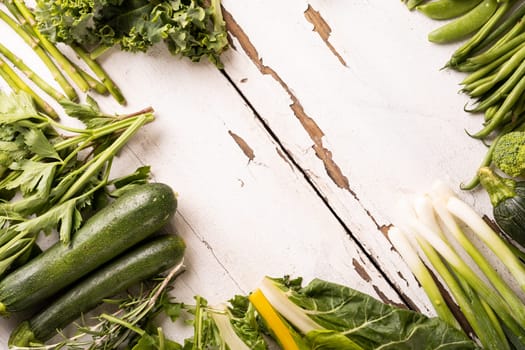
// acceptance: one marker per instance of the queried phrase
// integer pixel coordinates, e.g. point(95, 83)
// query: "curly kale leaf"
point(189, 28)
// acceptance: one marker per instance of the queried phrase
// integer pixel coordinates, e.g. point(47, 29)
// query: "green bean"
point(510, 66)
point(499, 117)
point(464, 25)
point(515, 71)
point(490, 111)
point(484, 70)
point(466, 49)
point(504, 88)
point(447, 9)
point(511, 34)
point(476, 83)
point(503, 27)
point(489, 56)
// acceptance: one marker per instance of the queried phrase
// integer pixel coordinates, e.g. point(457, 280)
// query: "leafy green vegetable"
point(188, 27)
point(232, 326)
point(58, 177)
point(323, 311)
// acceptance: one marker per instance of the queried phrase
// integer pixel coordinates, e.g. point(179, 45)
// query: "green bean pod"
point(464, 25)
point(516, 30)
point(502, 91)
point(512, 20)
point(504, 111)
point(477, 83)
point(485, 70)
point(472, 44)
point(492, 55)
point(447, 9)
point(516, 71)
point(490, 112)
point(511, 65)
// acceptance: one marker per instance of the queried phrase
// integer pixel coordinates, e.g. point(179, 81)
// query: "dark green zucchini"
point(508, 200)
point(139, 264)
point(128, 220)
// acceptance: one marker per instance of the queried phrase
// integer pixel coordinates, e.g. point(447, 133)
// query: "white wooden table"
point(291, 160)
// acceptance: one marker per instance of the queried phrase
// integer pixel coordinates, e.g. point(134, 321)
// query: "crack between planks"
point(324, 154)
point(210, 248)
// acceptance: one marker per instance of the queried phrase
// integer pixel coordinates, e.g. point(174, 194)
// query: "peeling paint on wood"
point(361, 270)
point(386, 300)
point(311, 127)
point(243, 145)
point(323, 29)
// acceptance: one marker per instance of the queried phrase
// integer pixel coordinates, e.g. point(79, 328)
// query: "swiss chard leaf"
point(368, 322)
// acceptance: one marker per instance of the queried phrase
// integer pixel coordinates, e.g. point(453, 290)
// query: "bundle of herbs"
point(51, 174)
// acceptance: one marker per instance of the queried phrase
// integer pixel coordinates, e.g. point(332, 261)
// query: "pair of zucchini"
point(76, 267)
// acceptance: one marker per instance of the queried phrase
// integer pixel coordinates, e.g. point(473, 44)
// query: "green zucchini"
point(128, 220)
point(508, 200)
point(137, 265)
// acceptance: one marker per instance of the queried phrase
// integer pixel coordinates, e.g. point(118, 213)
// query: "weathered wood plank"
point(245, 210)
point(358, 86)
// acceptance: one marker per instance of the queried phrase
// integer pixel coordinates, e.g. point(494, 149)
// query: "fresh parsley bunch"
point(52, 175)
point(189, 28)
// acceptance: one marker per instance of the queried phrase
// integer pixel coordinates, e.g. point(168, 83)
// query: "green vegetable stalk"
point(55, 71)
point(490, 306)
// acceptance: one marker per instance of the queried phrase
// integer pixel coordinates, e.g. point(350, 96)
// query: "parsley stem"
point(97, 163)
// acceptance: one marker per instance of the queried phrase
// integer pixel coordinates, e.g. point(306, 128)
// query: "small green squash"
point(508, 199)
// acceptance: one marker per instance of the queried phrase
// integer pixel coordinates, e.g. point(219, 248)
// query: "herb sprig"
point(49, 180)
